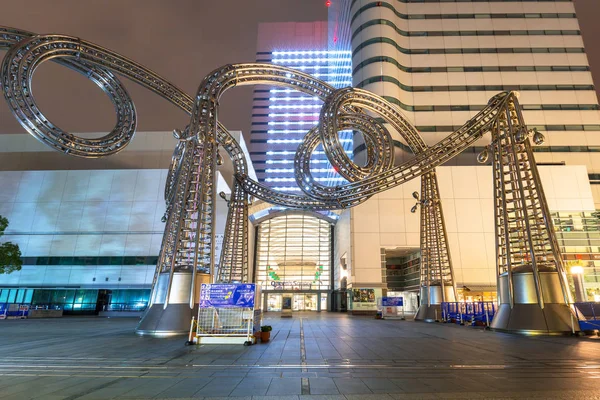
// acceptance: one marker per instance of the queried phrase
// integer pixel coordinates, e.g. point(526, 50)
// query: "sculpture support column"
point(533, 291)
point(437, 276)
point(233, 266)
point(188, 241)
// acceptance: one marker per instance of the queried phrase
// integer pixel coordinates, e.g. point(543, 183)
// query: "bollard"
point(190, 336)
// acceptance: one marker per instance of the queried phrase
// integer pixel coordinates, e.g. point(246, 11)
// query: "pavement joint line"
point(302, 347)
point(93, 389)
point(305, 386)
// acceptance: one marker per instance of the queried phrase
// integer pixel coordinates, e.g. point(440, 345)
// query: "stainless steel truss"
point(188, 243)
point(234, 257)
point(436, 264)
point(532, 283)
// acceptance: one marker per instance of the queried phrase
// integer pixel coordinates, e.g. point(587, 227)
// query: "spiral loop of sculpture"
point(342, 109)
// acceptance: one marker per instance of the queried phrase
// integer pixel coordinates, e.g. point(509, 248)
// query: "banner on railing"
point(392, 301)
point(221, 295)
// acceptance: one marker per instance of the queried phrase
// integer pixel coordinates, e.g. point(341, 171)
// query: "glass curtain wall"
point(294, 253)
point(578, 235)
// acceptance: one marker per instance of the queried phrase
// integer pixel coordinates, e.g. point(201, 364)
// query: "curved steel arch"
point(188, 242)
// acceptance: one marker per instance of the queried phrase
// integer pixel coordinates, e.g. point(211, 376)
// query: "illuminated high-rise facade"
point(281, 117)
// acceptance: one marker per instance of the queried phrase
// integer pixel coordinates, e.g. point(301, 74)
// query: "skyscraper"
point(280, 116)
point(440, 62)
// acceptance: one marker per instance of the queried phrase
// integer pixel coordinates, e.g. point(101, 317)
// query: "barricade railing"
point(470, 313)
point(139, 306)
point(588, 314)
point(228, 313)
point(14, 310)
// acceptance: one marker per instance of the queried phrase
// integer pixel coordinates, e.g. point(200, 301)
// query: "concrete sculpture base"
point(174, 319)
point(430, 309)
point(526, 316)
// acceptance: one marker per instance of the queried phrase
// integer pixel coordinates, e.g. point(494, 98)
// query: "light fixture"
point(415, 195)
point(538, 137)
point(577, 269)
point(521, 135)
point(483, 156)
point(413, 209)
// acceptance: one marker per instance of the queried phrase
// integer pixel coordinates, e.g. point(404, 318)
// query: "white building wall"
point(385, 221)
point(550, 42)
point(91, 213)
point(342, 245)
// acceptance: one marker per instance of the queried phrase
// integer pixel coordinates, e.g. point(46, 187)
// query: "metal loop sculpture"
point(190, 192)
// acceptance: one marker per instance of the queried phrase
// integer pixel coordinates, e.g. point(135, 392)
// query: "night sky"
point(182, 40)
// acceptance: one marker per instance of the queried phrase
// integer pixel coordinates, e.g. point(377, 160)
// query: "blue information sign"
point(392, 301)
point(224, 295)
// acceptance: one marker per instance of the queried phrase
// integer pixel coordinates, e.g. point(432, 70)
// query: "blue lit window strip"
point(325, 179)
point(302, 131)
point(289, 62)
point(290, 152)
point(296, 114)
point(287, 188)
point(291, 161)
point(277, 53)
point(291, 170)
point(298, 141)
point(296, 107)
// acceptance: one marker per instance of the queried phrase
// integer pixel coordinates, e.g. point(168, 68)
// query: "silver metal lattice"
point(188, 243)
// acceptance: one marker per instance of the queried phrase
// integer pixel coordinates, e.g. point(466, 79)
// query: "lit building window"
point(294, 253)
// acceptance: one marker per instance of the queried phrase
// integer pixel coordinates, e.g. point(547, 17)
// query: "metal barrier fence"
point(588, 314)
point(473, 313)
point(13, 310)
point(139, 306)
point(227, 325)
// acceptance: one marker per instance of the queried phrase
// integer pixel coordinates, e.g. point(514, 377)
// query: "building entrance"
point(304, 302)
point(300, 301)
point(293, 261)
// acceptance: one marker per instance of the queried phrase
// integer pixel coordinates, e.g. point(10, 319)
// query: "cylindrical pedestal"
point(430, 309)
point(175, 318)
point(527, 316)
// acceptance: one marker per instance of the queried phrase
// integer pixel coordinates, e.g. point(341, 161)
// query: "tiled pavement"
point(312, 356)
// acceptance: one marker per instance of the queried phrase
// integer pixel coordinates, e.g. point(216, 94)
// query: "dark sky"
point(588, 13)
point(182, 40)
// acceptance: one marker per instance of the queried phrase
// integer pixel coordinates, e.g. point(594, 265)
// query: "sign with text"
point(227, 295)
point(392, 301)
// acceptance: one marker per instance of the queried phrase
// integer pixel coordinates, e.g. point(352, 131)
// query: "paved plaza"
point(312, 356)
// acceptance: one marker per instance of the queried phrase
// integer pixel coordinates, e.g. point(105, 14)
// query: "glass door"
point(298, 302)
point(274, 301)
point(310, 302)
point(323, 301)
